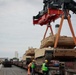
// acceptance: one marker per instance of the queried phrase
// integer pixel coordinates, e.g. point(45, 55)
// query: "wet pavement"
point(12, 71)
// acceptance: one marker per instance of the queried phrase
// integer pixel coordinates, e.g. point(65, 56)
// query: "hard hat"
point(33, 60)
point(46, 60)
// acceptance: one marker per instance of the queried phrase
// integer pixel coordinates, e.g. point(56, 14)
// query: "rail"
point(70, 72)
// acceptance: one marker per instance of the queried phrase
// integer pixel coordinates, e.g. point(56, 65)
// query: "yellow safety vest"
point(44, 68)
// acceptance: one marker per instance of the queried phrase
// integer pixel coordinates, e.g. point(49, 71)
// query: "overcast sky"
point(17, 31)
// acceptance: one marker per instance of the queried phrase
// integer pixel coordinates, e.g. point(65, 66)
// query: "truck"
point(7, 63)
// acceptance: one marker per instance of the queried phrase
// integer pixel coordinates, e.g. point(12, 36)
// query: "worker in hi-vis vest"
point(33, 66)
point(45, 68)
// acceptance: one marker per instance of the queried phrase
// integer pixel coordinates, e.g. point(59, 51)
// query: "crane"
point(54, 9)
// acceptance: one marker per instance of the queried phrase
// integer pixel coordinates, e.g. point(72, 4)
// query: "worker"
point(32, 65)
point(45, 68)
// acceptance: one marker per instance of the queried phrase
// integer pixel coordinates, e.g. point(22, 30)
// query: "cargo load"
point(30, 52)
point(64, 42)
